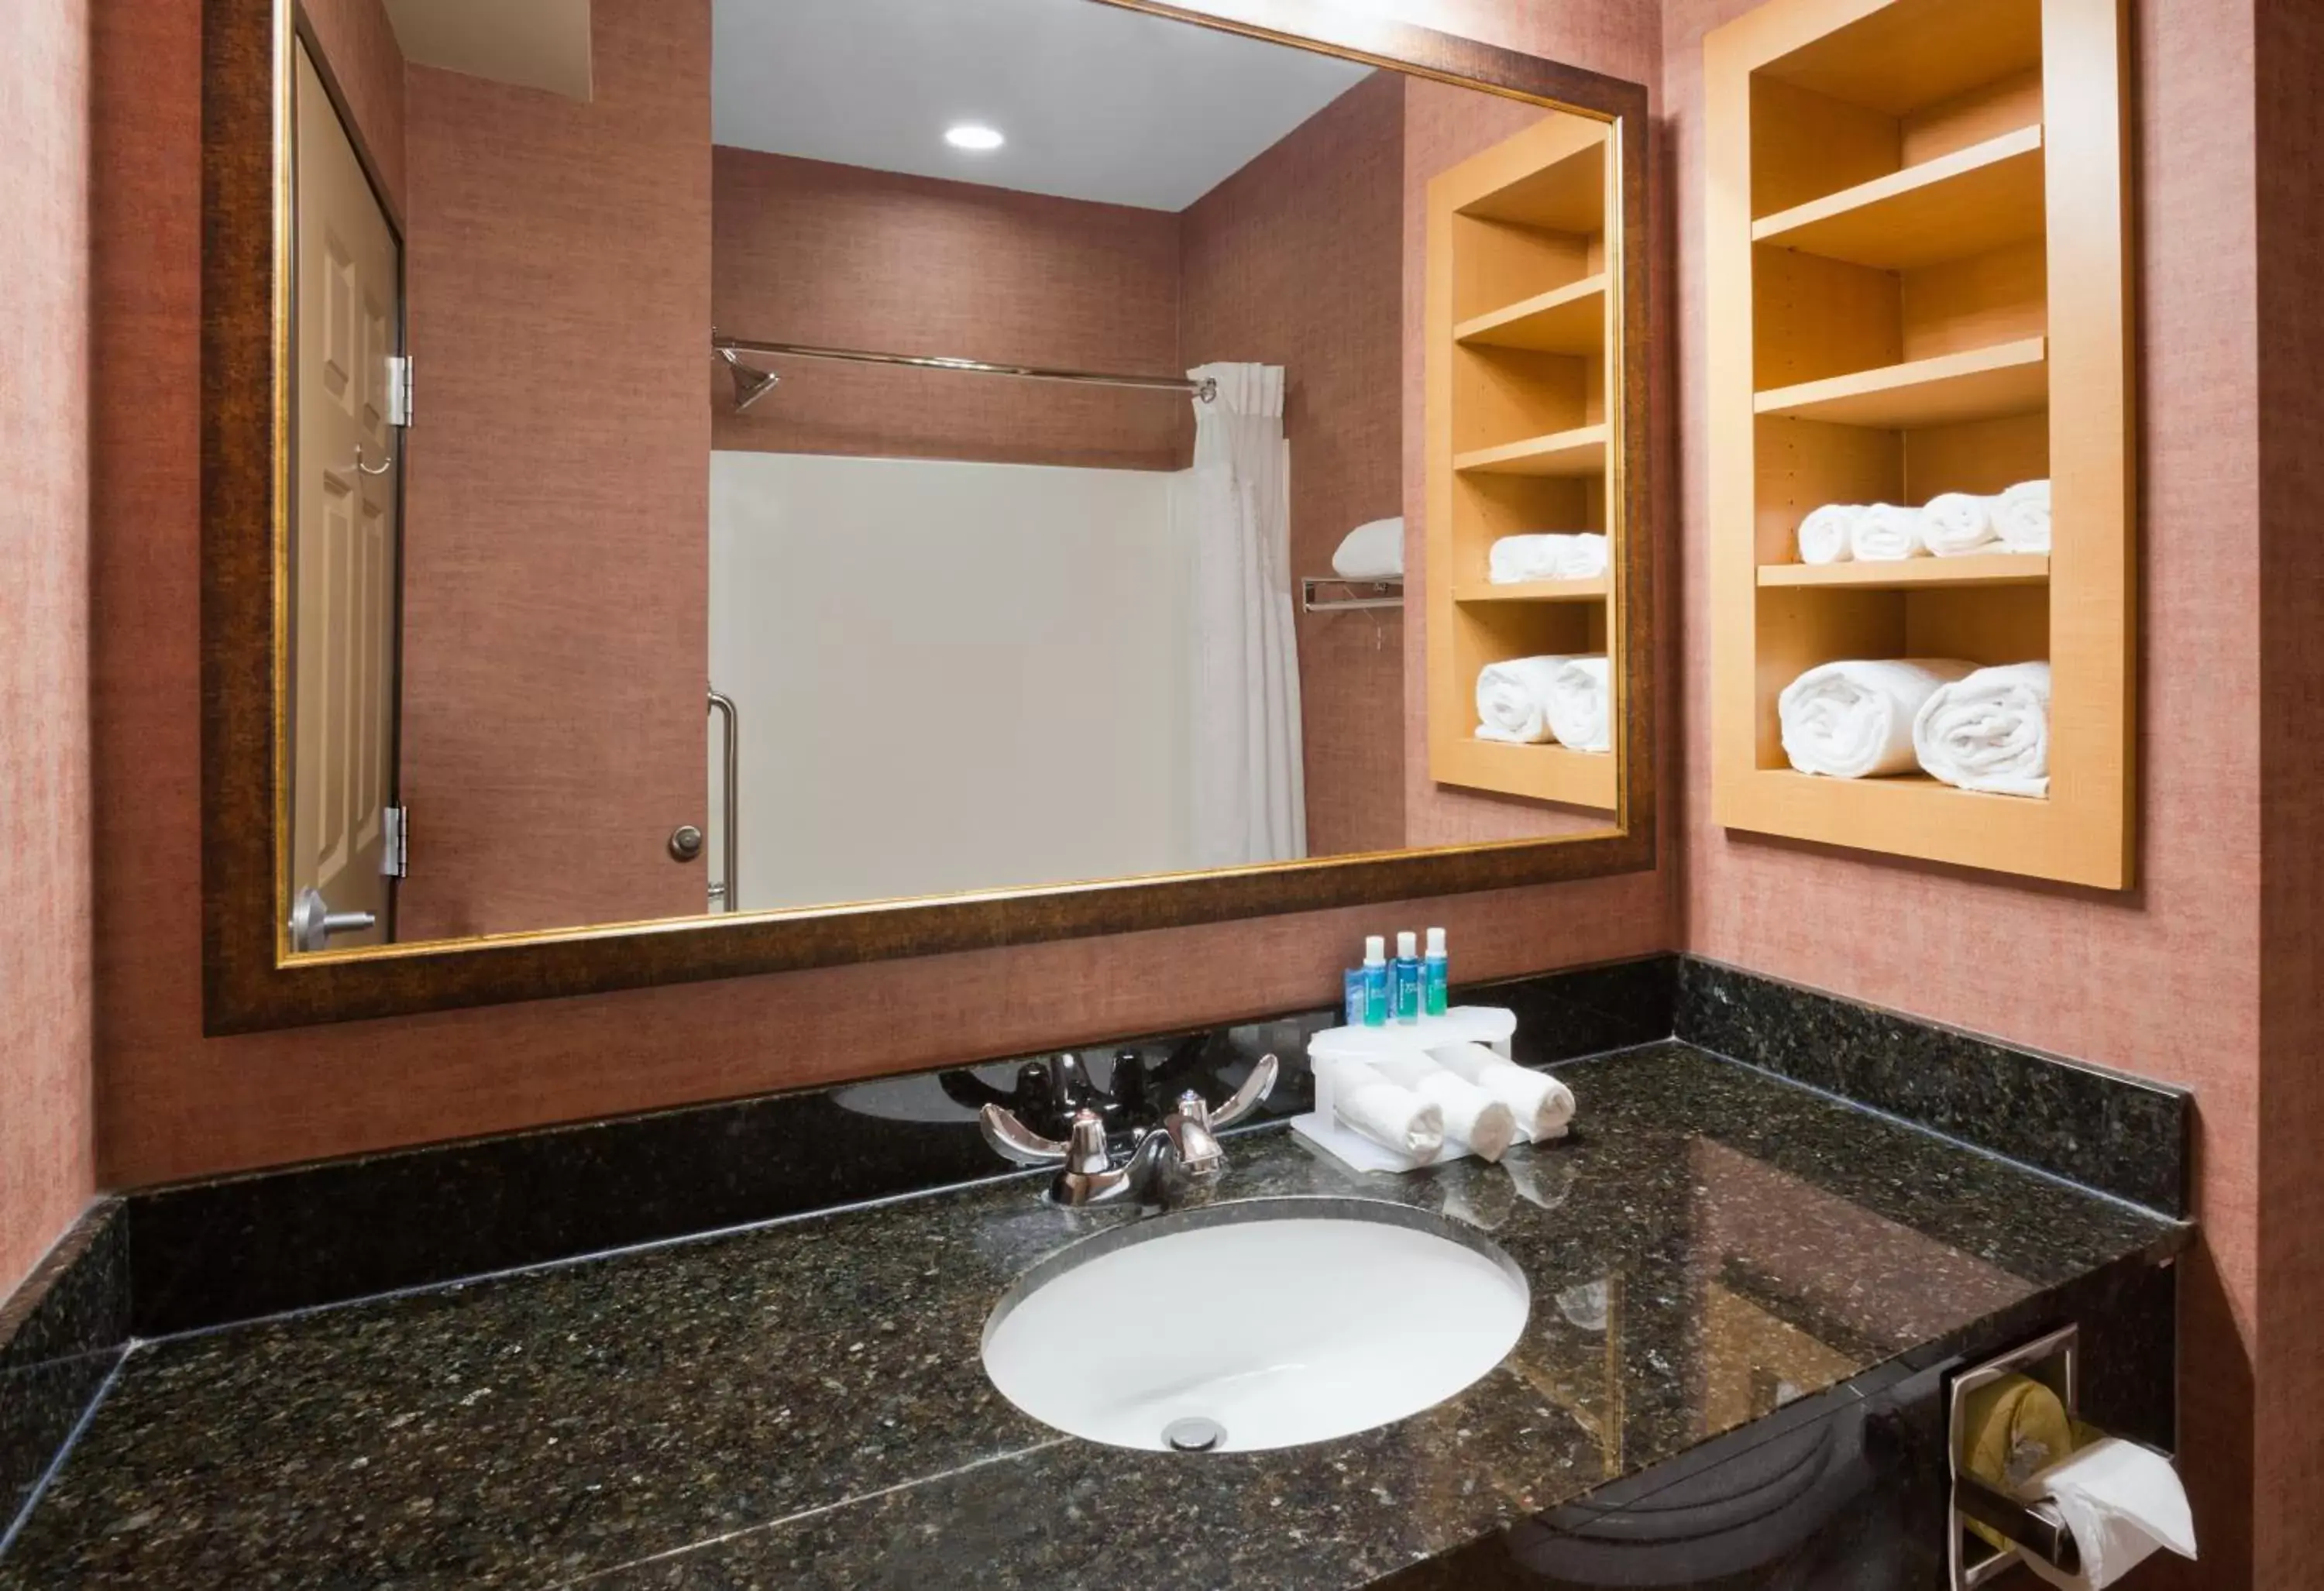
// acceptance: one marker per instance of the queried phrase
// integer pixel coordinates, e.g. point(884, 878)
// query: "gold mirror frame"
point(251, 982)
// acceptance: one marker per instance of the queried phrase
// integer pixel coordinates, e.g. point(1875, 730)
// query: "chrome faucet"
point(1167, 1162)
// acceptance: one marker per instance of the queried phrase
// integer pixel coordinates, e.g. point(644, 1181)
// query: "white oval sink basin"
point(1265, 1324)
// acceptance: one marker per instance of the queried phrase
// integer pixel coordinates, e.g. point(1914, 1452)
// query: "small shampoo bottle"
point(1436, 976)
point(1374, 981)
point(1407, 977)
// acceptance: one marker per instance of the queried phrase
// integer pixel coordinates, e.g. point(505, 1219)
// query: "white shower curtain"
point(1250, 790)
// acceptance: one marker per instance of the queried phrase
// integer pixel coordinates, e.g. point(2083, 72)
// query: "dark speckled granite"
point(802, 1405)
point(2106, 1130)
point(62, 1333)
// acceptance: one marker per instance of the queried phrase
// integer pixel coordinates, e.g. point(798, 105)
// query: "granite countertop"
point(801, 1405)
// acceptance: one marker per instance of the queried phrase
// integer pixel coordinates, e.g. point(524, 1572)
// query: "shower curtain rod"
point(727, 348)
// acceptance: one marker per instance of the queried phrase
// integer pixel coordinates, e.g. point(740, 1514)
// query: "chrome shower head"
point(750, 384)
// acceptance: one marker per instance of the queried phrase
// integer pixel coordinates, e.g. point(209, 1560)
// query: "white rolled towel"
point(1583, 556)
point(1543, 1105)
point(1578, 697)
point(1373, 551)
point(1393, 1117)
point(1990, 731)
point(1513, 699)
point(1515, 559)
point(2021, 516)
point(1884, 533)
point(1854, 720)
point(1954, 524)
point(1826, 533)
point(1474, 1118)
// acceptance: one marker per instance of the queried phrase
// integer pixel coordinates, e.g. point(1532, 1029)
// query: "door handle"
point(313, 922)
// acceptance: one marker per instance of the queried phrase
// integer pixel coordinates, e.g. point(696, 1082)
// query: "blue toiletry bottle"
point(1351, 992)
point(1407, 977)
point(1374, 981)
point(1436, 976)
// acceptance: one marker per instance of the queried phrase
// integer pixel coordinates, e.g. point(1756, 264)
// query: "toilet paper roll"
point(2122, 1501)
point(1391, 1116)
point(1474, 1118)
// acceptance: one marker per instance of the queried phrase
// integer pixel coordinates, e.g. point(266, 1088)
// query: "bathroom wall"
point(1294, 260)
point(558, 270)
point(360, 57)
point(2163, 980)
point(172, 1104)
point(840, 256)
point(45, 1160)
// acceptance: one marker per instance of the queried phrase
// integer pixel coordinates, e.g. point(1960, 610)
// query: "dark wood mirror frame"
point(251, 982)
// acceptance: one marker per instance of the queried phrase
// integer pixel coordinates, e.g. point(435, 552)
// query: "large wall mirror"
point(704, 487)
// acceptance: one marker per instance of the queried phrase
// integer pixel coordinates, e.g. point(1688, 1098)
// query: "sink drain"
point(1194, 1434)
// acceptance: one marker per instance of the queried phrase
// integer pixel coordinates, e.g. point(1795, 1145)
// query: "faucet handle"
point(1012, 1139)
point(1254, 1088)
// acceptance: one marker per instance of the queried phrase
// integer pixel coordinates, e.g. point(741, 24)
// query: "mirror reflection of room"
point(719, 570)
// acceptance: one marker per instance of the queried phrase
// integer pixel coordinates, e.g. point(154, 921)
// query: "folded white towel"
point(1884, 533)
point(1391, 1116)
point(1513, 699)
point(1515, 559)
point(1474, 1118)
point(1826, 532)
point(2021, 517)
point(1371, 552)
point(1954, 524)
point(1578, 698)
point(1542, 1105)
point(1990, 731)
point(1583, 556)
point(1854, 720)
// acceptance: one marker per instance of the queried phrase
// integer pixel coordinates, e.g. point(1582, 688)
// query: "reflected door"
point(343, 538)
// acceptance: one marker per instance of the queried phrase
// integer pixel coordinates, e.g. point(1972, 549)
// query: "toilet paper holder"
point(2035, 1528)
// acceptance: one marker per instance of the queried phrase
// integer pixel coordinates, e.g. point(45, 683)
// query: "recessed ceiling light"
point(973, 136)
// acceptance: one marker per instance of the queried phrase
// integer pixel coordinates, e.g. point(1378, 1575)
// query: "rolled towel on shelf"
point(1578, 697)
point(1391, 1116)
point(1885, 533)
point(1954, 524)
point(1988, 730)
point(1474, 1118)
point(1583, 556)
point(1826, 533)
point(1373, 551)
point(1513, 560)
point(1855, 720)
point(2021, 517)
point(1543, 1105)
point(1513, 699)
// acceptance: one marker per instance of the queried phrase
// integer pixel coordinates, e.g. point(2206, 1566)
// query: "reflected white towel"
point(1954, 524)
point(1578, 697)
point(1851, 721)
point(1884, 533)
point(1825, 534)
point(1583, 556)
point(1990, 731)
point(1371, 552)
point(1391, 1116)
point(2021, 517)
point(1513, 699)
point(1542, 1105)
point(1474, 1118)
point(1515, 559)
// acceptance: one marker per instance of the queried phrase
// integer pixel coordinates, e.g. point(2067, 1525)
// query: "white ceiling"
point(532, 44)
point(1097, 103)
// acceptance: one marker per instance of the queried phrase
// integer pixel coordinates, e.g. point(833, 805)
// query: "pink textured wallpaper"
point(363, 60)
point(2163, 980)
point(45, 1170)
point(1295, 260)
point(557, 489)
point(172, 1104)
point(839, 256)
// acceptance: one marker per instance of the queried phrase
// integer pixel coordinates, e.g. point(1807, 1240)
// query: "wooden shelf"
point(1567, 195)
point(1908, 573)
point(1578, 452)
point(1983, 383)
point(1546, 773)
point(1972, 201)
point(1533, 590)
point(1570, 319)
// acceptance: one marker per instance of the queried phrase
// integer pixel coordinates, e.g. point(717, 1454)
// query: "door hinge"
point(399, 390)
point(396, 856)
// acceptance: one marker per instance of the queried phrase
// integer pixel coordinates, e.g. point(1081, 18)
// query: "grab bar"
point(723, 894)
